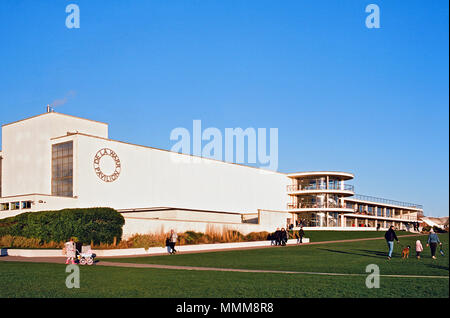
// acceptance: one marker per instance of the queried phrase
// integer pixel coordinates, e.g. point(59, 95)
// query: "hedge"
point(97, 225)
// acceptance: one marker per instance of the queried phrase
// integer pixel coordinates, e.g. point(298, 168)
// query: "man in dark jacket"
point(301, 233)
point(277, 235)
point(284, 237)
point(390, 236)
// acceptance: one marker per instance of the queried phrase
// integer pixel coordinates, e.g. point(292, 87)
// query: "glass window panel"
point(62, 169)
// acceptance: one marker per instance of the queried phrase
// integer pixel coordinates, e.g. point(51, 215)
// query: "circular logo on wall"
point(107, 165)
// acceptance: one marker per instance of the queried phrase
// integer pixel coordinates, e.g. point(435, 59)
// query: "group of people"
point(280, 237)
point(432, 241)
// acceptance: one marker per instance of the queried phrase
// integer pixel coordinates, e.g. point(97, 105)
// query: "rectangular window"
point(15, 205)
point(388, 212)
point(4, 206)
point(379, 211)
point(62, 169)
point(26, 205)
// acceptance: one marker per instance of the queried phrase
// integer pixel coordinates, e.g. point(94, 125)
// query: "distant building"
point(54, 161)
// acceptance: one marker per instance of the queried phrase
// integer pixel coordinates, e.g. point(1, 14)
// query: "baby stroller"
point(85, 257)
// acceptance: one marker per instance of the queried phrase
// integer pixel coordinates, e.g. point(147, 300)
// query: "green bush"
point(191, 237)
point(97, 225)
point(256, 236)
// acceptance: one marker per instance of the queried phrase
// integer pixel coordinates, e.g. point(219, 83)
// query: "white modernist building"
point(54, 161)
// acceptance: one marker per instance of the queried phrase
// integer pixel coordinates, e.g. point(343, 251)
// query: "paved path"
point(59, 260)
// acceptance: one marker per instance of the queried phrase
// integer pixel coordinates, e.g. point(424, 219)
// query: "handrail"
point(403, 217)
point(314, 205)
point(385, 201)
point(346, 187)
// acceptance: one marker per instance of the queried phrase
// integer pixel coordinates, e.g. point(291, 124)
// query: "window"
point(26, 205)
point(62, 169)
point(4, 206)
point(15, 205)
point(379, 211)
point(388, 212)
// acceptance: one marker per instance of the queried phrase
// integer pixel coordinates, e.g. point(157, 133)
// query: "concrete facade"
point(154, 189)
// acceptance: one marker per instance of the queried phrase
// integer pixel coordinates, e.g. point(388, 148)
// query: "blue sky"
point(369, 101)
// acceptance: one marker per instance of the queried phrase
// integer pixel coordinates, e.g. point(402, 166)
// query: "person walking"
point(433, 241)
point(301, 233)
point(70, 251)
point(419, 248)
point(173, 241)
point(284, 237)
point(390, 236)
point(169, 249)
point(277, 236)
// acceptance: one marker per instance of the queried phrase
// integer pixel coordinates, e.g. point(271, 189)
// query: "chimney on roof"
point(49, 109)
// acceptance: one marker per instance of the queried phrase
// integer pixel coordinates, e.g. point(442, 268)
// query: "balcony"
point(407, 217)
point(338, 187)
point(386, 201)
point(310, 205)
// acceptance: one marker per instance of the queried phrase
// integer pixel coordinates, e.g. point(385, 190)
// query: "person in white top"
point(419, 248)
point(173, 241)
point(70, 251)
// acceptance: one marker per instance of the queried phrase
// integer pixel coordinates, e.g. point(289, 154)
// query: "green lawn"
point(348, 257)
point(321, 236)
point(48, 280)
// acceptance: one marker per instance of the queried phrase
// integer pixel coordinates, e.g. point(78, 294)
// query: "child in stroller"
point(85, 256)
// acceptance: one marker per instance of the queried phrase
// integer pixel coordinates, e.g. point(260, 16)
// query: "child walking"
point(70, 251)
point(419, 248)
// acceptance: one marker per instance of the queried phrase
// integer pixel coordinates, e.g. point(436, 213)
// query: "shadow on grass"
point(377, 253)
point(439, 267)
point(370, 254)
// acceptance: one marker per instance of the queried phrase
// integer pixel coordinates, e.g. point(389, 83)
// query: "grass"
point(348, 257)
point(321, 236)
point(48, 280)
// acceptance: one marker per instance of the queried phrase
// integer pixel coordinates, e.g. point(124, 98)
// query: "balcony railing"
point(309, 205)
point(403, 217)
point(386, 201)
point(346, 187)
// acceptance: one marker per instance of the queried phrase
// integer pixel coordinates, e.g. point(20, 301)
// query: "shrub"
point(97, 225)
point(426, 228)
point(141, 240)
point(257, 236)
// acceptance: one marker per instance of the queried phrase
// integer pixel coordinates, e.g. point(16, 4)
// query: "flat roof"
point(46, 113)
point(343, 175)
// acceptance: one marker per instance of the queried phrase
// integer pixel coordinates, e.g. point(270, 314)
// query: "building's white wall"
point(152, 178)
point(39, 203)
point(26, 150)
point(150, 226)
point(186, 215)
